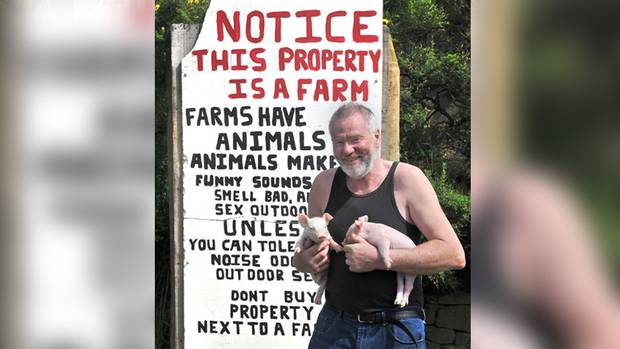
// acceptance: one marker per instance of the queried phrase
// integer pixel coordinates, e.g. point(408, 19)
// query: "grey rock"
point(456, 317)
point(462, 338)
point(431, 314)
point(431, 345)
point(440, 335)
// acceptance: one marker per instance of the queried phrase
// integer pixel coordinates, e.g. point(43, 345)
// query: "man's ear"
point(327, 217)
point(377, 137)
point(303, 219)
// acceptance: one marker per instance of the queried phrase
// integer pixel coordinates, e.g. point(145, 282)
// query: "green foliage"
point(177, 11)
point(432, 43)
point(456, 206)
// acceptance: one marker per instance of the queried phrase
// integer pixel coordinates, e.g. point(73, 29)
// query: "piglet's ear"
point(358, 226)
point(363, 219)
point(303, 219)
point(327, 217)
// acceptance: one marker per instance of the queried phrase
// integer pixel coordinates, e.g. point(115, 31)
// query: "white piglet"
point(315, 231)
point(384, 238)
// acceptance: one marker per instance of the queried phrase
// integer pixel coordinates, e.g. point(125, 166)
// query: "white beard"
point(362, 169)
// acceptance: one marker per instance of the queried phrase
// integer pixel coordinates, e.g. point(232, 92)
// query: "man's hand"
point(361, 256)
point(314, 259)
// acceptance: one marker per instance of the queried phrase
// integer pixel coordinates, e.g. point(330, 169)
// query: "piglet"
point(315, 231)
point(384, 238)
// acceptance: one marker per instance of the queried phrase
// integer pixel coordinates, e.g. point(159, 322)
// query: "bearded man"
point(359, 311)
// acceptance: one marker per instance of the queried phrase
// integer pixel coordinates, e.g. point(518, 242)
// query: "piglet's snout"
point(322, 234)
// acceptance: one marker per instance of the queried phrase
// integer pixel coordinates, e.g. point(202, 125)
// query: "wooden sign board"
point(258, 89)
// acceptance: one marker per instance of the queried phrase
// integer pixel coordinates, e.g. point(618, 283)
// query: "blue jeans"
point(333, 331)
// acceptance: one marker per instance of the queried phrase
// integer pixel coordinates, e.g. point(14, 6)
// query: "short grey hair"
point(350, 108)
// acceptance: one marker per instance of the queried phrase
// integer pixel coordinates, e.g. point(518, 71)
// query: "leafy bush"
point(457, 207)
point(432, 42)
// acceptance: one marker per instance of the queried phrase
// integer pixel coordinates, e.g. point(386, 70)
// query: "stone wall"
point(448, 321)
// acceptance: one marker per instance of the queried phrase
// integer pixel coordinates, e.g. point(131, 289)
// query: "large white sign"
point(258, 90)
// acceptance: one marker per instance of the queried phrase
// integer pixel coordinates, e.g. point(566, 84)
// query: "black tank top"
point(363, 292)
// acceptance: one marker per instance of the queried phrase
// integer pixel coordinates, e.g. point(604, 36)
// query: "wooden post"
point(183, 38)
point(390, 107)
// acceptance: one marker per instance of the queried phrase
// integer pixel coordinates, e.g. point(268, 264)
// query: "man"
point(359, 311)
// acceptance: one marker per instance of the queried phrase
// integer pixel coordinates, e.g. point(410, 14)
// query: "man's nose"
point(347, 149)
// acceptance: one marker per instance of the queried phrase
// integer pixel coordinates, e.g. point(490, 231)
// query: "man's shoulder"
point(411, 179)
point(324, 178)
point(407, 172)
point(319, 194)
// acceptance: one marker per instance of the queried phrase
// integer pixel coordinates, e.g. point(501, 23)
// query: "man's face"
point(354, 147)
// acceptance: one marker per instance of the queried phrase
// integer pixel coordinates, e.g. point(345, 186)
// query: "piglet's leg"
point(399, 288)
point(335, 246)
point(383, 246)
point(409, 280)
point(299, 245)
point(322, 283)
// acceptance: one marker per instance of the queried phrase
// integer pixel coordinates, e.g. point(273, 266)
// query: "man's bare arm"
point(315, 259)
point(442, 251)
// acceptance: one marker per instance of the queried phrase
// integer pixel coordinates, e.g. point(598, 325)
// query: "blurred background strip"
point(81, 272)
point(545, 162)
